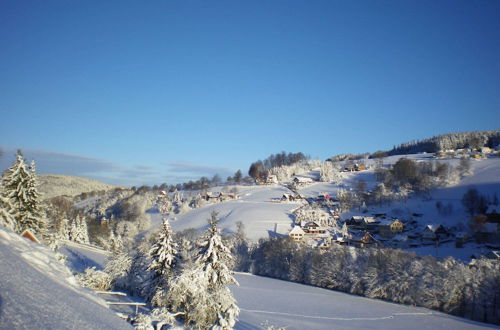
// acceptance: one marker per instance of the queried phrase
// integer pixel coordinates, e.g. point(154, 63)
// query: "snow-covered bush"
point(330, 173)
point(158, 318)
point(94, 279)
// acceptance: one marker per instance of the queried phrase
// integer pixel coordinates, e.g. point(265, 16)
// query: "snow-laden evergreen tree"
point(329, 173)
point(115, 242)
point(79, 232)
point(201, 293)
point(163, 256)
point(345, 231)
point(6, 217)
point(20, 187)
point(118, 268)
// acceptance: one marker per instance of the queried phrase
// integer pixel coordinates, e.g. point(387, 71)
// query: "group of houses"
point(378, 230)
point(311, 233)
point(479, 153)
point(211, 196)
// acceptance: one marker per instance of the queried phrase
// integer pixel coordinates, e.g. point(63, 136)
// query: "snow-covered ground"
point(294, 306)
point(38, 292)
point(270, 302)
point(255, 209)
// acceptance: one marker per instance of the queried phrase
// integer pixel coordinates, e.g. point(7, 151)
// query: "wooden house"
point(360, 167)
point(297, 234)
point(272, 179)
point(434, 232)
point(357, 222)
point(367, 240)
point(302, 180)
point(313, 228)
point(389, 228)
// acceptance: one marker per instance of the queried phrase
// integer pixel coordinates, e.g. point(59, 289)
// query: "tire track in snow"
point(339, 318)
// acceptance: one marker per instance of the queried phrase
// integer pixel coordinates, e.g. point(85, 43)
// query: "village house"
point(312, 227)
point(434, 232)
point(389, 228)
point(272, 179)
point(356, 222)
point(291, 198)
point(365, 240)
point(301, 180)
point(371, 223)
point(297, 234)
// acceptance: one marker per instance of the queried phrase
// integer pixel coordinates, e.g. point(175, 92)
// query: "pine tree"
point(79, 232)
point(163, 256)
point(118, 266)
point(20, 187)
point(6, 218)
point(202, 292)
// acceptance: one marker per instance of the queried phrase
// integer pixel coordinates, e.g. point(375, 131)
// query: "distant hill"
point(51, 185)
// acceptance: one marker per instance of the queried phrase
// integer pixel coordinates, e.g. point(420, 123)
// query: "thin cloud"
point(200, 170)
point(52, 162)
point(60, 163)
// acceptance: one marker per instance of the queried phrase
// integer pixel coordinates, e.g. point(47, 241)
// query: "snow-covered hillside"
point(256, 208)
point(269, 302)
point(51, 185)
point(37, 292)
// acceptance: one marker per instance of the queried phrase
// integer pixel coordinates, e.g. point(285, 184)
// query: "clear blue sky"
point(162, 91)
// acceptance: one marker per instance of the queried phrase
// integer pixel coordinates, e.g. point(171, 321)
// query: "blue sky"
point(135, 92)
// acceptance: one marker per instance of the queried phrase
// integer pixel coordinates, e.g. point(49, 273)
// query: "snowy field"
point(294, 306)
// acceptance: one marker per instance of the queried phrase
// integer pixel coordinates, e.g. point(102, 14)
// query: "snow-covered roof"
point(311, 224)
point(302, 179)
point(386, 222)
point(433, 227)
point(297, 230)
point(371, 220)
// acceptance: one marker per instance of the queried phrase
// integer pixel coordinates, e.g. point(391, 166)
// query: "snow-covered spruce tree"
point(6, 218)
point(20, 187)
point(118, 266)
point(163, 256)
point(201, 293)
point(78, 231)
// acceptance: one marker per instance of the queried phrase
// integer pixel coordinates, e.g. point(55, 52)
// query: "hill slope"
point(51, 185)
point(36, 291)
